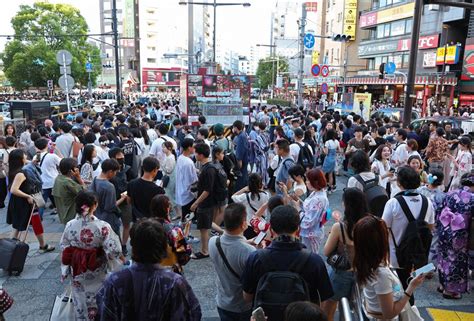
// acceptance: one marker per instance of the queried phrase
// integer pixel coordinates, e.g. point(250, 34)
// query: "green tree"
point(41, 31)
point(267, 70)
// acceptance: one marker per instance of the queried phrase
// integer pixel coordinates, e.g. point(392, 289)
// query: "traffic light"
point(50, 84)
point(341, 37)
point(107, 66)
point(382, 70)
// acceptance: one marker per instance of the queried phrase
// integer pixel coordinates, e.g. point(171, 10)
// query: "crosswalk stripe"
point(449, 315)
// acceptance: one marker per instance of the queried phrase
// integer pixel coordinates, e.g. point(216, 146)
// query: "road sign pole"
point(301, 54)
point(67, 85)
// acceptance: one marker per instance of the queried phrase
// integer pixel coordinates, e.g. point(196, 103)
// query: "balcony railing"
point(386, 7)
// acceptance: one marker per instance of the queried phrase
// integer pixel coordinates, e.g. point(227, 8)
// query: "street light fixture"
point(215, 4)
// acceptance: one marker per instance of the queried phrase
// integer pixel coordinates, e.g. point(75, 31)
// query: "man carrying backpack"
point(410, 219)
point(301, 152)
point(285, 271)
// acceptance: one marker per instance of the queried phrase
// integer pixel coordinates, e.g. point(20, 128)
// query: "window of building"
point(398, 28)
point(339, 17)
point(332, 55)
point(405, 60)
point(408, 25)
point(370, 64)
point(151, 60)
point(327, 26)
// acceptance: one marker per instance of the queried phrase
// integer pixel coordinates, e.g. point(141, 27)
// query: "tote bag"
point(63, 308)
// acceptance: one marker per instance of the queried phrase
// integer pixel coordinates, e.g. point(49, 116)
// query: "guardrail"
point(346, 314)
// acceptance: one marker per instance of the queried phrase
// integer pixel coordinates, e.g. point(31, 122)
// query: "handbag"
point(63, 308)
point(38, 199)
point(410, 313)
point(340, 261)
point(165, 180)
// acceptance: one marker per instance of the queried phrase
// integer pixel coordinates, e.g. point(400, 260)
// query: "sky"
point(237, 28)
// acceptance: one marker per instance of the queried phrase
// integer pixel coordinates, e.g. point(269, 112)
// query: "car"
point(395, 114)
point(467, 124)
point(100, 104)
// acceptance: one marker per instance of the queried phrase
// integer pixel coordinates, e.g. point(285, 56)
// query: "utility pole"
point(118, 92)
point(190, 40)
point(301, 56)
point(415, 36)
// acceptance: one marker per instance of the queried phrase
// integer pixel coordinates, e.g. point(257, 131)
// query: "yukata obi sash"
point(457, 221)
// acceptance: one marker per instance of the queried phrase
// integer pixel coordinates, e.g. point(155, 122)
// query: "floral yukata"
point(313, 219)
point(89, 233)
point(453, 233)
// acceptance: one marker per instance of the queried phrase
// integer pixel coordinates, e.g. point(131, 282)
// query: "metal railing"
point(350, 309)
point(346, 313)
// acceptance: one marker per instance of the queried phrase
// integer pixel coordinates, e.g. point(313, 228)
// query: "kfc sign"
point(426, 42)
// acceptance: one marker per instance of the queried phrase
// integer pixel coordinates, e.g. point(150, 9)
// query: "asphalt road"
point(35, 289)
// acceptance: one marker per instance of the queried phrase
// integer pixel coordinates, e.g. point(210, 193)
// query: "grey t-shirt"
point(107, 209)
point(64, 144)
point(229, 288)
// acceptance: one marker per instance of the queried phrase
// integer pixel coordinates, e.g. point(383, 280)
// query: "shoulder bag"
point(340, 261)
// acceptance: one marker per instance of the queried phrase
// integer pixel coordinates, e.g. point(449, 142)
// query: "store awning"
point(400, 80)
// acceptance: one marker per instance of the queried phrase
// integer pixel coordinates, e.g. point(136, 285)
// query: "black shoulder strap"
point(360, 180)
point(405, 208)
point(342, 231)
point(298, 264)
point(248, 201)
point(224, 258)
point(424, 208)
point(42, 159)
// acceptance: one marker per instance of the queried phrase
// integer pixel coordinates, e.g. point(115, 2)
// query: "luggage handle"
point(28, 225)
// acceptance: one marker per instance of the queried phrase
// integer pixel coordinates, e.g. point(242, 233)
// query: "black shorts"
point(204, 218)
point(186, 209)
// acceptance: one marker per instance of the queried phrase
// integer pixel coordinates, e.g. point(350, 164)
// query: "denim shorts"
point(342, 282)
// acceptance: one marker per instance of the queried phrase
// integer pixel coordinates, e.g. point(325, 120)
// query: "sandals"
point(47, 248)
point(199, 256)
point(452, 296)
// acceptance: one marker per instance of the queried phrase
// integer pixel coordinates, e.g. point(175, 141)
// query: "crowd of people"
point(139, 176)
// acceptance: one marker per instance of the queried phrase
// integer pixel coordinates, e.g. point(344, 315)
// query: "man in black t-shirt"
point(205, 203)
point(141, 190)
point(128, 147)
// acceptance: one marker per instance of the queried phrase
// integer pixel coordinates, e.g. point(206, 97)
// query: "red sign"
point(368, 20)
point(426, 42)
point(324, 71)
point(315, 70)
point(160, 77)
point(468, 64)
point(311, 6)
point(463, 97)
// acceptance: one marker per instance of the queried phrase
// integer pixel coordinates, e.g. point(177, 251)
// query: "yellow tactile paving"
point(448, 315)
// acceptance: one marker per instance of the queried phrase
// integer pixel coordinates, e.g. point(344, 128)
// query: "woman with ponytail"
point(89, 246)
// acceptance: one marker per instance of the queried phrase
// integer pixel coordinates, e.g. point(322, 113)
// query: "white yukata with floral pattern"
point(89, 232)
point(314, 210)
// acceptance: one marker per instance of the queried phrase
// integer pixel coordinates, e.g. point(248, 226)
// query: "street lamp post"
point(273, 64)
point(118, 90)
point(215, 4)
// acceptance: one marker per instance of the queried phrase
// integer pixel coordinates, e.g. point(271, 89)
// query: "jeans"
point(234, 316)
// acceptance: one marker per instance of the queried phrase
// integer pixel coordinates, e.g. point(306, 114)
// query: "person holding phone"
point(66, 187)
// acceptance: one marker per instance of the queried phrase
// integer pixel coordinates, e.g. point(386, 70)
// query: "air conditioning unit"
point(433, 7)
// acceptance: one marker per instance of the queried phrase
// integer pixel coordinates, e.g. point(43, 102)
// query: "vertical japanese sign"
point(350, 18)
point(128, 23)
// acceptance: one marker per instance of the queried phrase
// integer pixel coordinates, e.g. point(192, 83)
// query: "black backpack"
point(219, 191)
point(376, 195)
point(305, 157)
point(414, 247)
point(276, 289)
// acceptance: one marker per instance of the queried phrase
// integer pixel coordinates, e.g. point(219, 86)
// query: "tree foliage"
point(267, 69)
point(41, 31)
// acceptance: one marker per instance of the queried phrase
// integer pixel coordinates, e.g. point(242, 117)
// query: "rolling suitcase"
point(13, 252)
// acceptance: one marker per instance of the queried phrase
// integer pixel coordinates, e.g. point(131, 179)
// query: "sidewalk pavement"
point(35, 289)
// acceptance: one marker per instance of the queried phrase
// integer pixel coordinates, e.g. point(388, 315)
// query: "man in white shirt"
point(296, 146)
point(151, 131)
point(186, 175)
point(49, 163)
point(157, 146)
point(408, 181)
point(400, 154)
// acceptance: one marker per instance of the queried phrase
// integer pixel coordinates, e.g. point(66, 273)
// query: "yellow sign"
point(396, 13)
point(315, 57)
point(350, 18)
point(452, 55)
point(362, 104)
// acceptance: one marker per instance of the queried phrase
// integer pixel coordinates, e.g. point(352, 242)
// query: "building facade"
point(438, 67)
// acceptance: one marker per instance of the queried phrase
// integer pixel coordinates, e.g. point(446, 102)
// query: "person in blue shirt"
point(288, 128)
point(241, 152)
